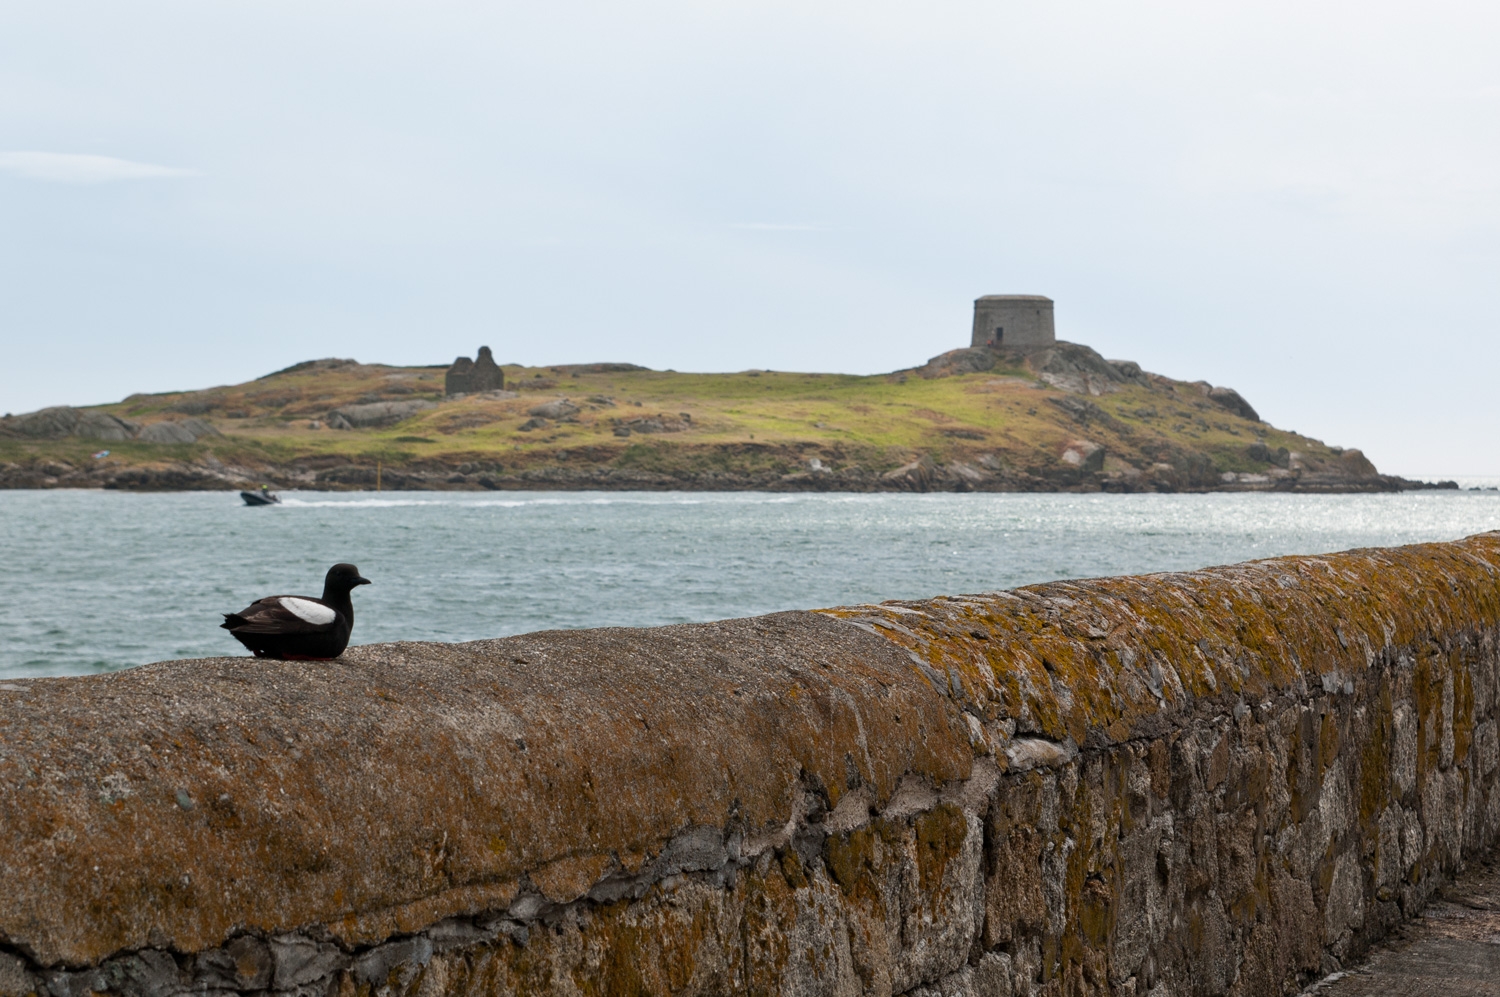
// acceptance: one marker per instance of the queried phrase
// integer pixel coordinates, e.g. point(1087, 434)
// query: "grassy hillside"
point(945, 425)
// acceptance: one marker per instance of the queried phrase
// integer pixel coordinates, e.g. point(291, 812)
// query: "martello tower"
point(1013, 320)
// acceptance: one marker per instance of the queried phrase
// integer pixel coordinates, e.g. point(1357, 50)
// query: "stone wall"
point(1220, 782)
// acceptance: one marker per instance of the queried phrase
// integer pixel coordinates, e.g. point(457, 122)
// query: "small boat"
point(263, 497)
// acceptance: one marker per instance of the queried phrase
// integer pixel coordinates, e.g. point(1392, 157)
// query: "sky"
point(1297, 200)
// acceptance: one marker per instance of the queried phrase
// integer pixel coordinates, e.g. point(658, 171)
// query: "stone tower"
point(1013, 320)
point(467, 376)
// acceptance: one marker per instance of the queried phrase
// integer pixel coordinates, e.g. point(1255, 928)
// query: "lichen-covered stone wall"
point(1219, 782)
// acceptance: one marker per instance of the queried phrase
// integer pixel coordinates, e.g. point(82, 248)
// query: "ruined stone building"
point(1013, 320)
point(469, 376)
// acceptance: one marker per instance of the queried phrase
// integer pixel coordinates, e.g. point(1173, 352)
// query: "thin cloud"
point(67, 167)
point(778, 227)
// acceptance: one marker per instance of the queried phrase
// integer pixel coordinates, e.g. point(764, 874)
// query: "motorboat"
point(263, 497)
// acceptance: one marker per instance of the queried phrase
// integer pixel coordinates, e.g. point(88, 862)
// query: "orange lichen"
point(1226, 743)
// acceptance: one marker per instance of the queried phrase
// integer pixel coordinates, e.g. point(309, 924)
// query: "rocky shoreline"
point(923, 475)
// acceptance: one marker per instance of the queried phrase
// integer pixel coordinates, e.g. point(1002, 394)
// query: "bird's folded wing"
point(275, 616)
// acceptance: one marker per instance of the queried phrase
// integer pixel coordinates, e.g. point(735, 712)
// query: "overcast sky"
point(1298, 200)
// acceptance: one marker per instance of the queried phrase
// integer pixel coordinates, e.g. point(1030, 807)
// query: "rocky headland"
point(1059, 418)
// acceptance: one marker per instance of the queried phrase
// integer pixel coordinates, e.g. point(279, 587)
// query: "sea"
point(98, 580)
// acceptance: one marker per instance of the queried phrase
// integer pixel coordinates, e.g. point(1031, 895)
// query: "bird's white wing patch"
point(306, 609)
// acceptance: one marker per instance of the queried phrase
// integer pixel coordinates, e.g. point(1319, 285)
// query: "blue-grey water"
point(102, 580)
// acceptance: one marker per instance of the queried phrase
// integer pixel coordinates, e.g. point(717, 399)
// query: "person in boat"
point(261, 496)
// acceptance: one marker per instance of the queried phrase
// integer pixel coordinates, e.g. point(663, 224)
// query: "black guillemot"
point(299, 627)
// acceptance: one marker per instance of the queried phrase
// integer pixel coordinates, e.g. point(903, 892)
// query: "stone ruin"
point(467, 376)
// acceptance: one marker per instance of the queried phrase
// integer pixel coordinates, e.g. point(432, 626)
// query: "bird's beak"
point(363, 581)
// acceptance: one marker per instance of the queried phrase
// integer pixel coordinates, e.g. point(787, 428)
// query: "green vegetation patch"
point(690, 425)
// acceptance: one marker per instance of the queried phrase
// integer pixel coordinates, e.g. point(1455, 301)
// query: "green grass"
point(745, 420)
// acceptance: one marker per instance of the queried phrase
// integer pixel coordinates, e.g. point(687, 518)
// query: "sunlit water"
point(102, 580)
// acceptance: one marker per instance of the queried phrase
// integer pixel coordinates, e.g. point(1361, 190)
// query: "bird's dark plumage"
point(299, 627)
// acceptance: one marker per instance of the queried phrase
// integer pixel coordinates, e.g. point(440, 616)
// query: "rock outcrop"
point(1227, 399)
point(1071, 367)
point(918, 476)
point(62, 421)
point(177, 431)
point(1222, 782)
point(376, 413)
point(968, 360)
point(557, 408)
point(1075, 368)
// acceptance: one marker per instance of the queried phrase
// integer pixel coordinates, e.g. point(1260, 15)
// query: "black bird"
point(299, 627)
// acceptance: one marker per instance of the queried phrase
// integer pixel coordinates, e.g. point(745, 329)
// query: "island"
point(1015, 410)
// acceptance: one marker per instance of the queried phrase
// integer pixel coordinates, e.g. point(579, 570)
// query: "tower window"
point(999, 333)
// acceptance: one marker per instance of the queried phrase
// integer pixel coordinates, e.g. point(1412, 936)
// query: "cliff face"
point(1224, 781)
